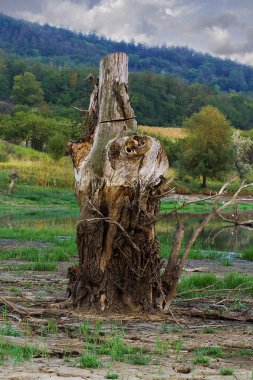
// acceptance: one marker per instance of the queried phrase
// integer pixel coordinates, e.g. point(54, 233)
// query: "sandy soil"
point(40, 289)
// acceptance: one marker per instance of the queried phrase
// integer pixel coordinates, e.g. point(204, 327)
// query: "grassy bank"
point(201, 206)
point(39, 169)
point(34, 168)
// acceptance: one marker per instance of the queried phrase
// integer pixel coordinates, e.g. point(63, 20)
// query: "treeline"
point(62, 47)
point(161, 100)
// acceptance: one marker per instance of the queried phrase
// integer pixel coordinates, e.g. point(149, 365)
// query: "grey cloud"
point(225, 49)
point(221, 27)
point(224, 21)
point(12, 7)
point(89, 3)
point(146, 27)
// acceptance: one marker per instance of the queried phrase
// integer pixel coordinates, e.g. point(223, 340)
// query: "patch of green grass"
point(162, 346)
point(226, 371)
point(33, 266)
point(28, 284)
point(171, 328)
point(168, 206)
point(16, 291)
point(200, 206)
point(241, 283)
point(18, 354)
point(177, 345)
point(25, 254)
point(52, 327)
point(247, 254)
point(48, 235)
point(4, 313)
point(196, 281)
point(36, 168)
point(58, 249)
point(208, 330)
point(165, 239)
point(226, 262)
point(237, 280)
point(204, 360)
point(34, 254)
point(138, 359)
point(201, 254)
point(215, 352)
point(237, 304)
point(84, 329)
point(8, 330)
point(112, 375)
point(89, 360)
point(244, 352)
point(114, 346)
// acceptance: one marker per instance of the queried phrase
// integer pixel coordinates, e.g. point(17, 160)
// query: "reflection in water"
point(68, 223)
point(217, 235)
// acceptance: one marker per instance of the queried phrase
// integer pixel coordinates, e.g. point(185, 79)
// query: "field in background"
point(171, 133)
point(38, 171)
point(34, 168)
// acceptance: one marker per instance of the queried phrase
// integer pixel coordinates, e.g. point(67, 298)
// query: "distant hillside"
point(161, 100)
point(62, 47)
point(34, 168)
point(167, 132)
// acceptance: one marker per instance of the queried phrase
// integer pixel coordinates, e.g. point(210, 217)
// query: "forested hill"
point(63, 47)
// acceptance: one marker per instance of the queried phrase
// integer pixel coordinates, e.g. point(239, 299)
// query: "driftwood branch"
point(177, 264)
point(21, 310)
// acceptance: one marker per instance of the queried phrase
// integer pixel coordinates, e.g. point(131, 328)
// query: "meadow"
point(37, 245)
point(167, 132)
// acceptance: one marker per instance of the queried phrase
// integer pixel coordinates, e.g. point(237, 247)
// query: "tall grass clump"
point(33, 266)
point(196, 281)
point(18, 354)
point(247, 254)
point(238, 282)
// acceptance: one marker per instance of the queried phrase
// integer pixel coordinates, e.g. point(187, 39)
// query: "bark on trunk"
point(118, 174)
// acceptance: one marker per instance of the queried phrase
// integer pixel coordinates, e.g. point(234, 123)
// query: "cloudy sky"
point(220, 27)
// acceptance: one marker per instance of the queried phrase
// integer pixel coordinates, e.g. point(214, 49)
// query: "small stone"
point(182, 369)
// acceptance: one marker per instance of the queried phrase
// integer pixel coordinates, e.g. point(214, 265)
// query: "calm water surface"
point(217, 235)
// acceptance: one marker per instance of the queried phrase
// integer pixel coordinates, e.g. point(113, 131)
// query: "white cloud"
point(246, 58)
point(221, 27)
point(218, 34)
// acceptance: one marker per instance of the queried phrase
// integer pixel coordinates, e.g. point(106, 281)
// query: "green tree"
point(4, 87)
point(27, 90)
point(29, 127)
point(243, 154)
point(207, 150)
point(56, 146)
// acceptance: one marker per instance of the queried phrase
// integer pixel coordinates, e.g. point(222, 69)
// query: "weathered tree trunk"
point(118, 174)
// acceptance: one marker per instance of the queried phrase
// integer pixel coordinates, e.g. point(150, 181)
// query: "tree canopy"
point(27, 90)
point(243, 154)
point(207, 150)
point(63, 47)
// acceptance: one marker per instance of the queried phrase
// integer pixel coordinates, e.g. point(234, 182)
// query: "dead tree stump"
point(119, 176)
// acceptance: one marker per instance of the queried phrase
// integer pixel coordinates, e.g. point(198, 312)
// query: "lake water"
point(217, 235)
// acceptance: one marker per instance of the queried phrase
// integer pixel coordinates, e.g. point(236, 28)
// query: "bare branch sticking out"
point(178, 264)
